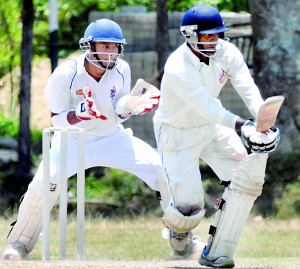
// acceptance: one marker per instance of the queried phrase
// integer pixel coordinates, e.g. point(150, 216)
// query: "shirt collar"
point(192, 57)
point(80, 65)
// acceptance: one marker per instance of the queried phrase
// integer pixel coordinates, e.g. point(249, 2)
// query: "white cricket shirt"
point(190, 88)
point(64, 92)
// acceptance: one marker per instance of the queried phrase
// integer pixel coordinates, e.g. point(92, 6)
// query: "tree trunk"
point(276, 31)
point(24, 149)
point(162, 36)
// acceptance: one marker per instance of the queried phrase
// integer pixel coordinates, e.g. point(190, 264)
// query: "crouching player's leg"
point(26, 230)
point(234, 208)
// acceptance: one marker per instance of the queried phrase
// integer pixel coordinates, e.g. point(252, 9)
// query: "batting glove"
point(144, 97)
point(257, 141)
point(87, 110)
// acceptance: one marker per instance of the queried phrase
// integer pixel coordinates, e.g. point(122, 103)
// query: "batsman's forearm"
point(238, 124)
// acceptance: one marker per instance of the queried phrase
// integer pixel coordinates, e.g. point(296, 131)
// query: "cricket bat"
point(268, 112)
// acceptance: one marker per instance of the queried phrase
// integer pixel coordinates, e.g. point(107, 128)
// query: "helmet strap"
point(202, 57)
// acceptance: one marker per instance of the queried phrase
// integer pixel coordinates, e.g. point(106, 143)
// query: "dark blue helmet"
point(202, 20)
point(207, 19)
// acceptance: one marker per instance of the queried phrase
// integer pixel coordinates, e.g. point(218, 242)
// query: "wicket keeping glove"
point(257, 141)
point(144, 97)
point(87, 110)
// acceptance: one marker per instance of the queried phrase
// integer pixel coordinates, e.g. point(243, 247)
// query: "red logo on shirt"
point(222, 77)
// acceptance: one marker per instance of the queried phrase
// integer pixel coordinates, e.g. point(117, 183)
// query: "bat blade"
point(268, 112)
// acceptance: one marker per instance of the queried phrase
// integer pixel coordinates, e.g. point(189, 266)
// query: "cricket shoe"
point(16, 251)
point(185, 245)
point(220, 262)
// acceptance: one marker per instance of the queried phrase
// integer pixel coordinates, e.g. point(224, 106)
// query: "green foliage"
point(10, 36)
point(121, 186)
point(10, 128)
point(282, 170)
point(72, 20)
point(124, 191)
point(222, 5)
point(235, 6)
point(288, 205)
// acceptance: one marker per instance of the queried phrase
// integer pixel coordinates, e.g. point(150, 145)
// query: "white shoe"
point(16, 251)
point(179, 242)
point(220, 262)
point(185, 245)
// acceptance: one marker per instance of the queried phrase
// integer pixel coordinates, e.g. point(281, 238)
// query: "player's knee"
point(180, 223)
point(36, 185)
point(249, 177)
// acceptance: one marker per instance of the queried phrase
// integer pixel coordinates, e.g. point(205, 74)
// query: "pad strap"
point(235, 206)
point(29, 222)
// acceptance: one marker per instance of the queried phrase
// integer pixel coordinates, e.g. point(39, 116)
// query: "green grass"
point(140, 239)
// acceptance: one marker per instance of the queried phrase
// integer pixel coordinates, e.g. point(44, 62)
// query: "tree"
point(24, 148)
point(162, 36)
point(276, 34)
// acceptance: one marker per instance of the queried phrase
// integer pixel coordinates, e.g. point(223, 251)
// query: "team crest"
point(113, 92)
point(222, 77)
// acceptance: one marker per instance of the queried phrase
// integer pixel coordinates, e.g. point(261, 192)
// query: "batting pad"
point(29, 222)
point(175, 221)
point(245, 187)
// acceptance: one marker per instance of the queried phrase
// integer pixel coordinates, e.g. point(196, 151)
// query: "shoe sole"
point(216, 264)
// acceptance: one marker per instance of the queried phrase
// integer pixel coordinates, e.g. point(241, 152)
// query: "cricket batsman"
point(191, 124)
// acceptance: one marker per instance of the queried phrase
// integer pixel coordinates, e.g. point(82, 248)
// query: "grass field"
point(264, 242)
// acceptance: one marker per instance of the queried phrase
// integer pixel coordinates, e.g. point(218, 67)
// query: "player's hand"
point(265, 142)
point(144, 97)
point(87, 110)
point(257, 141)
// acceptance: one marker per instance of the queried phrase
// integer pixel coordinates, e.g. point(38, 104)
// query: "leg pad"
point(239, 197)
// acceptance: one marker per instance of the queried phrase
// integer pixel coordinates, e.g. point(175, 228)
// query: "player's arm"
point(71, 117)
point(86, 110)
point(242, 81)
point(57, 92)
point(239, 123)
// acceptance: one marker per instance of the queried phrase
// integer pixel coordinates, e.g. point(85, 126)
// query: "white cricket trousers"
point(119, 150)
point(180, 149)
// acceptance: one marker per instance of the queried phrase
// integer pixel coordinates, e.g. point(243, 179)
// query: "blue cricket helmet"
point(104, 30)
point(207, 19)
